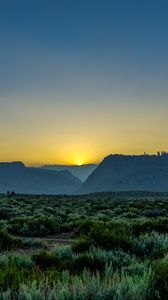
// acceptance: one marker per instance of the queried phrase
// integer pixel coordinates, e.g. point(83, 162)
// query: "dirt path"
point(47, 242)
point(51, 240)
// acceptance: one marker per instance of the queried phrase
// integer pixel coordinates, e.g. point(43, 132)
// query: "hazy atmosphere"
point(82, 79)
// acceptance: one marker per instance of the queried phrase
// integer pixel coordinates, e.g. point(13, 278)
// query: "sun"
point(79, 163)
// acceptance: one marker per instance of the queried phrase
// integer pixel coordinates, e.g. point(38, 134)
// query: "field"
point(99, 246)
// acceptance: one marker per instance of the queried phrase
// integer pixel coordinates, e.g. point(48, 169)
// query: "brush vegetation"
point(118, 248)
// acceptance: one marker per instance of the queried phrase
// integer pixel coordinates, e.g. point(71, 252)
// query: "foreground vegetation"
point(118, 248)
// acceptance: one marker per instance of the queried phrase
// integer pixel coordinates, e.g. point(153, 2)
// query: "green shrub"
point(159, 224)
point(85, 261)
point(153, 245)
point(135, 287)
point(12, 275)
point(161, 278)
point(35, 226)
point(84, 227)
point(117, 258)
point(63, 252)
point(46, 260)
point(8, 242)
point(31, 292)
point(111, 238)
point(81, 245)
point(21, 260)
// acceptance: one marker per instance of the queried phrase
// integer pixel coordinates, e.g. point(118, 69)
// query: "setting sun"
point(79, 163)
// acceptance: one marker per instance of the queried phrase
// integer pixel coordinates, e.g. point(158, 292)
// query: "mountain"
point(82, 172)
point(129, 173)
point(17, 177)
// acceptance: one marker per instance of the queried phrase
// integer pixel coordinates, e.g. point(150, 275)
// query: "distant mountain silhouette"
point(129, 173)
point(82, 172)
point(17, 177)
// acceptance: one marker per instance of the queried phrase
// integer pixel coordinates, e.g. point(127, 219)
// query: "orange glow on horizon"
point(79, 133)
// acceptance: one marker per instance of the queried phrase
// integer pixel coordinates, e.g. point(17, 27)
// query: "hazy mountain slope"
point(16, 177)
point(126, 173)
point(82, 172)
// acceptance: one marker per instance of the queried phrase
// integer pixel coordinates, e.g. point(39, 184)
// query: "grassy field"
point(98, 246)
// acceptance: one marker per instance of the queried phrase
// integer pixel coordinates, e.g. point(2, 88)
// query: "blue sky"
point(67, 65)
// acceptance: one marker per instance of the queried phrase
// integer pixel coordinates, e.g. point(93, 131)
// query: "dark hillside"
point(129, 173)
point(20, 179)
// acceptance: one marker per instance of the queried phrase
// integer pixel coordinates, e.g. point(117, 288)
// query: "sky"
point(81, 79)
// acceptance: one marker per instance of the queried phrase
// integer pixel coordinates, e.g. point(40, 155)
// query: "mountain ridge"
point(119, 172)
point(15, 176)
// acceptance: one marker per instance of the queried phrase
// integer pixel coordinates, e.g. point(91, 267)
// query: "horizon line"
point(30, 164)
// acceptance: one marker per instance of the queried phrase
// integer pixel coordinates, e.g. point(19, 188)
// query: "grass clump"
point(45, 259)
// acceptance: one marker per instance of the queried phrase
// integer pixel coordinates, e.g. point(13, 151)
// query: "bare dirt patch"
point(47, 242)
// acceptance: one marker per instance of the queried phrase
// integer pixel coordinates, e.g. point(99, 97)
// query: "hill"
point(82, 172)
point(17, 177)
point(129, 173)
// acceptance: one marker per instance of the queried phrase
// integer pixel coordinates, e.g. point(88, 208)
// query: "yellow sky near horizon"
point(79, 133)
